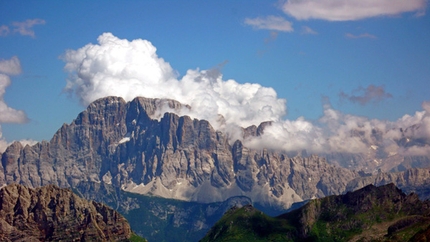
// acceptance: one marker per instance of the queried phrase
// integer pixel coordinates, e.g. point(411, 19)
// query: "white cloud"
point(290, 135)
point(128, 69)
point(426, 106)
point(8, 114)
point(10, 67)
point(4, 144)
point(344, 10)
point(270, 23)
point(25, 28)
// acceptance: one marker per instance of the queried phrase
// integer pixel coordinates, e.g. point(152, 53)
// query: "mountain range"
point(115, 151)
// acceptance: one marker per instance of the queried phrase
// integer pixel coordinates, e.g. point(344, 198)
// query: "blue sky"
point(366, 58)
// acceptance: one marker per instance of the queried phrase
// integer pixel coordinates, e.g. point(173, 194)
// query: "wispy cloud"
point(347, 10)
point(363, 96)
point(364, 35)
point(270, 23)
point(4, 30)
point(8, 114)
point(272, 37)
point(11, 66)
point(25, 28)
point(308, 30)
point(4, 143)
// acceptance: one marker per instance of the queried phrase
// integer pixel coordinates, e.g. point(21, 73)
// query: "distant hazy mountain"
point(52, 214)
point(370, 214)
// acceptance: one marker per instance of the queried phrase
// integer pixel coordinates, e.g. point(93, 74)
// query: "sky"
point(316, 69)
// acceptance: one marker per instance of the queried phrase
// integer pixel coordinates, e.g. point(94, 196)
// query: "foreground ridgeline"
point(372, 213)
point(53, 214)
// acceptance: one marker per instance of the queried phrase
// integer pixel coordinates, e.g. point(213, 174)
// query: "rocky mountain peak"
point(142, 147)
point(52, 214)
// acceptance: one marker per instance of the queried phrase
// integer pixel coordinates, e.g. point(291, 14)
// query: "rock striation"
point(140, 148)
point(52, 214)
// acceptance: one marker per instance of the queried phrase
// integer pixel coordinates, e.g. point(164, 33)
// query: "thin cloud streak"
point(308, 30)
point(270, 23)
point(350, 10)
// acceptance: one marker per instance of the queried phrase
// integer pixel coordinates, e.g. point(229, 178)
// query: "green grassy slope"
point(370, 214)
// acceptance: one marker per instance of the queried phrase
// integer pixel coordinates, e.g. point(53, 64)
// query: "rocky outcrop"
point(138, 147)
point(53, 214)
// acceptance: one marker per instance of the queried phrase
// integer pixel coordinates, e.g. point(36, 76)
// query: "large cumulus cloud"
point(132, 68)
point(128, 69)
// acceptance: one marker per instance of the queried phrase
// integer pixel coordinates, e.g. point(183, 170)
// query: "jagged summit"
point(144, 146)
point(138, 148)
point(52, 214)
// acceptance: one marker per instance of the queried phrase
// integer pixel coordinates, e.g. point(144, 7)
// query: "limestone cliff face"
point(135, 147)
point(53, 214)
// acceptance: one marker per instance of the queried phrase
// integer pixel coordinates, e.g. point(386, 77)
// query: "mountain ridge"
point(119, 143)
point(371, 213)
point(143, 147)
point(52, 214)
